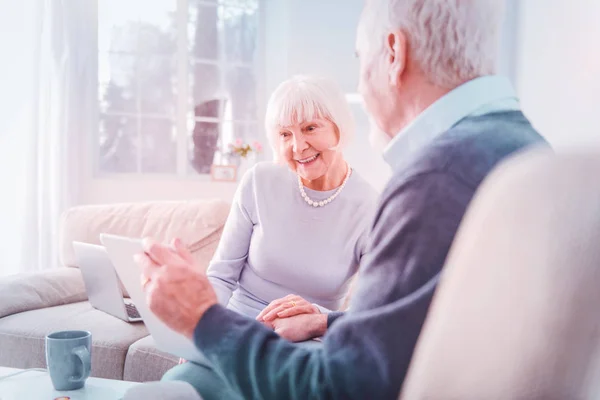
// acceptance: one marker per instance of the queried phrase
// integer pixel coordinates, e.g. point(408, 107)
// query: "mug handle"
point(84, 355)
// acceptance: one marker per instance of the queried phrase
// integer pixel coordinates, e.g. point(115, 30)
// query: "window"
point(176, 83)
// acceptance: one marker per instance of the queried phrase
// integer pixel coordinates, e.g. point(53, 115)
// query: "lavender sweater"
point(274, 243)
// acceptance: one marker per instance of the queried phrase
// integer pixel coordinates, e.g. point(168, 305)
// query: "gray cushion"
point(32, 291)
point(22, 337)
point(144, 362)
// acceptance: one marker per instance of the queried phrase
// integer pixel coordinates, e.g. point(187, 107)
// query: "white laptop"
point(102, 283)
point(121, 251)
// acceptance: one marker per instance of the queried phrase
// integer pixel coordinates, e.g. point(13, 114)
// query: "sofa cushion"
point(197, 223)
point(32, 291)
point(144, 362)
point(22, 337)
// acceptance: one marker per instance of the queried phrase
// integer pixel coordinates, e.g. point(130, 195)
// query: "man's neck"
point(418, 98)
point(436, 111)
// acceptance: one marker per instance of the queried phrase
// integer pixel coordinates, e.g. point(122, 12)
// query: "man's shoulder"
point(472, 148)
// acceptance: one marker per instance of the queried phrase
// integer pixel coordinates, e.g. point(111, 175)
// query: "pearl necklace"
point(327, 200)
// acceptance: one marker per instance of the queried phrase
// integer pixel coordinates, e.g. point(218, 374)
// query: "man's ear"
point(396, 51)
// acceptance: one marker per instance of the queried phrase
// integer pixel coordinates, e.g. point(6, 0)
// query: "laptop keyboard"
point(132, 312)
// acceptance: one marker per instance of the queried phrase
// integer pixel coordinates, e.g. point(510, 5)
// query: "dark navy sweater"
point(367, 351)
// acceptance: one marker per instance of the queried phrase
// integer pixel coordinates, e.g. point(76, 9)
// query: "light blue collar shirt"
point(476, 97)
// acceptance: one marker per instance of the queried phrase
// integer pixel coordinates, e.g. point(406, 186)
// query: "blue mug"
point(69, 358)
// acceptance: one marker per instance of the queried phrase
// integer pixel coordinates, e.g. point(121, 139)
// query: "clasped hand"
point(294, 318)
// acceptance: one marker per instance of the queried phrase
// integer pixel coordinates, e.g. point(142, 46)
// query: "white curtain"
point(51, 105)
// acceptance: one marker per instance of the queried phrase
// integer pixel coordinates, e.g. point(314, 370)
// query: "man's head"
point(412, 52)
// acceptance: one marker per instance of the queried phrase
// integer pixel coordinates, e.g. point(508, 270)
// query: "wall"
point(115, 190)
point(558, 74)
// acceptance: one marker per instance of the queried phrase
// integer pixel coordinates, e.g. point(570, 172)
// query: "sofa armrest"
point(197, 223)
point(32, 291)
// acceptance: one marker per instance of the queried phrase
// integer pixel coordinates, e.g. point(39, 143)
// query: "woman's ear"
point(396, 50)
point(338, 137)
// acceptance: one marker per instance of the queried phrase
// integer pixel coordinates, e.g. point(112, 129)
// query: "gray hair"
point(304, 98)
point(452, 40)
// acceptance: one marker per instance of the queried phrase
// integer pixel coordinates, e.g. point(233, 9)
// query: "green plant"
point(242, 149)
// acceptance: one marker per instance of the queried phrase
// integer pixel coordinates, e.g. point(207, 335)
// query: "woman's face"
point(306, 147)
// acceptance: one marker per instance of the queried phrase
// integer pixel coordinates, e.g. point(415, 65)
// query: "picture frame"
point(223, 173)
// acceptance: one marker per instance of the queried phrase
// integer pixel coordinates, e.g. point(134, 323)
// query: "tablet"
point(121, 251)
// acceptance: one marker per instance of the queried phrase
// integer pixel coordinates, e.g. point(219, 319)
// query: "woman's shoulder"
point(261, 178)
point(268, 172)
point(265, 174)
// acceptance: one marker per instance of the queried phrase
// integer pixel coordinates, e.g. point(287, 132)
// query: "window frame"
point(183, 59)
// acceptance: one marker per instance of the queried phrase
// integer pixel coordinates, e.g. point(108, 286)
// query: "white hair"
point(453, 41)
point(305, 98)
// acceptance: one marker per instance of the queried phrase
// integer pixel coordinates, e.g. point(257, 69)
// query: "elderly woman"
point(297, 226)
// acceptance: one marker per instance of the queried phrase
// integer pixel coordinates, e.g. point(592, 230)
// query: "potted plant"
point(244, 154)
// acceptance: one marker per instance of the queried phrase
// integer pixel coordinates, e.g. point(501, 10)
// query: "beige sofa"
point(33, 305)
point(515, 316)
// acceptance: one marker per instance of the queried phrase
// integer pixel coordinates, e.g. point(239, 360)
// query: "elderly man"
point(427, 78)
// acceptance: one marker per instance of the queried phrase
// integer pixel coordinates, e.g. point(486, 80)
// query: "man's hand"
point(286, 307)
point(300, 327)
point(175, 291)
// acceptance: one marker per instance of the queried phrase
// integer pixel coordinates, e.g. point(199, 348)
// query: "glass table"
point(36, 385)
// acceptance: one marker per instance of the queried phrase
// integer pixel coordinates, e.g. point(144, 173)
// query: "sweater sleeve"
point(332, 317)
point(230, 257)
point(361, 249)
point(366, 354)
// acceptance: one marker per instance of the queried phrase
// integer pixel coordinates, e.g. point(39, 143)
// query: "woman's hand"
point(301, 327)
point(288, 306)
